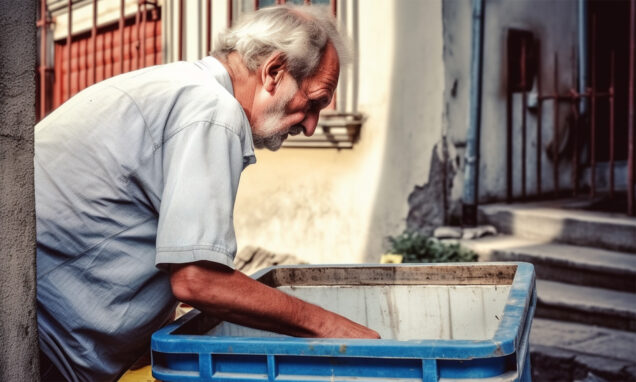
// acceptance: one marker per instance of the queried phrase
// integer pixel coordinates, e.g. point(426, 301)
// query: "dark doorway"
point(611, 34)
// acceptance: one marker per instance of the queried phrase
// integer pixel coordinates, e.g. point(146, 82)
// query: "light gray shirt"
point(132, 174)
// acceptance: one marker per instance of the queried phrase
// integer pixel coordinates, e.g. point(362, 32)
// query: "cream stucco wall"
point(329, 206)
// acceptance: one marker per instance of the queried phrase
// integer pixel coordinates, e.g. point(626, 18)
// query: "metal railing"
point(578, 122)
point(144, 8)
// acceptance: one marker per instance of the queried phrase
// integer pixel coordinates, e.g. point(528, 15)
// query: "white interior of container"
point(404, 312)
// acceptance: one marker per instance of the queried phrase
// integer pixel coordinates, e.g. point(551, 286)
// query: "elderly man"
point(136, 179)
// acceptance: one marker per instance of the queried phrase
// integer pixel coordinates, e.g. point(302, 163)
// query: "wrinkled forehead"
point(327, 72)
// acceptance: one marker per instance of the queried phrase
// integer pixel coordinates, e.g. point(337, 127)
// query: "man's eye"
point(319, 104)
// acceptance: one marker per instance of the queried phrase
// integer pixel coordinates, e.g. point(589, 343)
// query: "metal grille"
point(609, 120)
point(82, 59)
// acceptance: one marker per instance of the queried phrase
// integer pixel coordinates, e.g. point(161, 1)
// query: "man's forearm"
point(232, 296)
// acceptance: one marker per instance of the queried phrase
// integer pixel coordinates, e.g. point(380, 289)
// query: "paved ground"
point(575, 352)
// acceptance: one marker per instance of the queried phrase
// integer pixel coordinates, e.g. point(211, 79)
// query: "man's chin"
point(271, 144)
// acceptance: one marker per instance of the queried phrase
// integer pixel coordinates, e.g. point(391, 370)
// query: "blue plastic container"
point(475, 323)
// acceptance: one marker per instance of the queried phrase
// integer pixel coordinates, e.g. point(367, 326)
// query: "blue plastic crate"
point(194, 348)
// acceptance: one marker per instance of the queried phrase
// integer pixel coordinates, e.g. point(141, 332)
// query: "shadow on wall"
point(414, 118)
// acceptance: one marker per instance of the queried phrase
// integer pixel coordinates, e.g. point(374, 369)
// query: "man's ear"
point(272, 71)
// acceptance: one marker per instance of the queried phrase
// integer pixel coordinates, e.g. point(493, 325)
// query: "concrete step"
point(586, 305)
point(563, 262)
point(564, 351)
point(551, 221)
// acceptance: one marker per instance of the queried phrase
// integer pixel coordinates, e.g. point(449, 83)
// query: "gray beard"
point(274, 116)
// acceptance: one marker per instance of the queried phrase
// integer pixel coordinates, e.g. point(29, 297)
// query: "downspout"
point(471, 167)
point(582, 56)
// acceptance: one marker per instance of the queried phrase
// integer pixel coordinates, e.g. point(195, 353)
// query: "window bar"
point(574, 96)
point(307, 2)
point(180, 26)
point(334, 6)
point(574, 130)
point(256, 5)
point(592, 92)
point(229, 13)
point(142, 36)
point(122, 6)
point(524, 103)
point(68, 47)
point(555, 147)
point(630, 113)
point(138, 43)
point(86, 65)
point(539, 117)
point(43, 24)
point(208, 28)
point(94, 43)
point(155, 18)
point(611, 123)
point(509, 112)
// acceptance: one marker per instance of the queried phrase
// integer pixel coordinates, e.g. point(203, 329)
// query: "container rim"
point(513, 328)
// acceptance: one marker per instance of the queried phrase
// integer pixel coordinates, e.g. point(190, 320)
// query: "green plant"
point(418, 248)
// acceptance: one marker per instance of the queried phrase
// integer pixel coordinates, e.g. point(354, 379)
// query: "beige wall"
point(329, 206)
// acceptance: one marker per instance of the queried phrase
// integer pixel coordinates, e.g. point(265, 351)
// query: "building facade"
point(393, 143)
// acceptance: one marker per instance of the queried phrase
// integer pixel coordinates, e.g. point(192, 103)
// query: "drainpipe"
point(471, 168)
point(582, 56)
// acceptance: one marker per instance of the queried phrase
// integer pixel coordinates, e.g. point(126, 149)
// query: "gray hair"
point(299, 32)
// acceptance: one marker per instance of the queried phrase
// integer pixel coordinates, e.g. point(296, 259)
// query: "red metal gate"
point(106, 50)
point(605, 133)
point(108, 61)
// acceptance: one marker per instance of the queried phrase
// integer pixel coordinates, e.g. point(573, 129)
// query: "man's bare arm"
point(232, 296)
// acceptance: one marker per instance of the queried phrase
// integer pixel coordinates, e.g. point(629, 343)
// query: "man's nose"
point(310, 123)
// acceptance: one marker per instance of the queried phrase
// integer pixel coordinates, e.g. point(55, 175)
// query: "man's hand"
point(232, 296)
point(342, 327)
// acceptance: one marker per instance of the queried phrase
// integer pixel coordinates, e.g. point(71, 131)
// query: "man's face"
point(294, 108)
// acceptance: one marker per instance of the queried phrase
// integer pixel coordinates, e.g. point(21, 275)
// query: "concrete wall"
point(329, 206)
point(18, 329)
point(554, 22)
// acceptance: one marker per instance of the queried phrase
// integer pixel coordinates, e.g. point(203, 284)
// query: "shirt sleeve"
point(202, 164)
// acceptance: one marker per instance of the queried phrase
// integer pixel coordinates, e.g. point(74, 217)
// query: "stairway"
point(585, 321)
